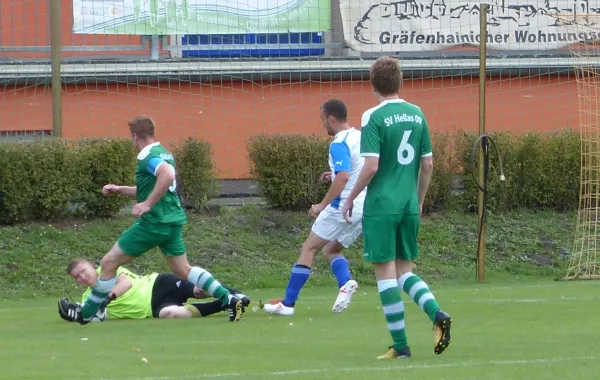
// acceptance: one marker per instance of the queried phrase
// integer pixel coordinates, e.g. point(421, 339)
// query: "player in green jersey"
point(398, 166)
point(156, 295)
point(160, 224)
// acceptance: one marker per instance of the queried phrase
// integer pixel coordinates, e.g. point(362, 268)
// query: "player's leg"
point(183, 290)
point(344, 238)
point(174, 252)
point(414, 286)
point(380, 249)
point(134, 242)
point(195, 310)
point(341, 271)
point(300, 274)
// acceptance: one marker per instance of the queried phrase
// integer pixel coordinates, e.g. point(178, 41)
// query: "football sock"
point(205, 309)
point(299, 276)
point(204, 280)
point(96, 297)
point(393, 308)
point(419, 292)
point(340, 269)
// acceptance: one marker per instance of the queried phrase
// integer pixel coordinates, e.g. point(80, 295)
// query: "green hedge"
point(288, 169)
point(46, 179)
point(197, 181)
point(542, 171)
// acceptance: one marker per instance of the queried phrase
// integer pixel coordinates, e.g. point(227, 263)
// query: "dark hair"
point(386, 76)
point(142, 126)
point(73, 263)
point(335, 108)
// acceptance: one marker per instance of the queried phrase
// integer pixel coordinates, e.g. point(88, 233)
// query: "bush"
point(500, 195)
point(46, 179)
point(197, 181)
point(288, 167)
point(37, 180)
point(541, 169)
point(445, 168)
point(99, 162)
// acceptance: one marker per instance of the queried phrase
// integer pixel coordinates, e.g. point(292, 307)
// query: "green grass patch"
point(252, 247)
point(509, 330)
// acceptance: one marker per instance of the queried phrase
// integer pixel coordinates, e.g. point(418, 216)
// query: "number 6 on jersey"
point(406, 152)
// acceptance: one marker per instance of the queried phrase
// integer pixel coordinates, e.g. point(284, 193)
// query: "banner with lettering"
point(427, 25)
point(168, 17)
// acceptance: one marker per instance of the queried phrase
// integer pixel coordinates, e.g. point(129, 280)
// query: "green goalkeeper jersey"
point(168, 209)
point(136, 303)
point(395, 131)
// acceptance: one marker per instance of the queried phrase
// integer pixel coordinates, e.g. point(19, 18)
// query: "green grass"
point(508, 330)
point(520, 324)
point(253, 248)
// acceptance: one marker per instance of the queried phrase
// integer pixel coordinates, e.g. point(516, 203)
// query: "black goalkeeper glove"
point(105, 303)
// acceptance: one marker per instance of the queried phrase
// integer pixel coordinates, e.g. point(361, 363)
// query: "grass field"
point(520, 324)
point(516, 330)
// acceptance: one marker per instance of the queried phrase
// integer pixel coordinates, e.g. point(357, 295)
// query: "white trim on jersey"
point(366, 116)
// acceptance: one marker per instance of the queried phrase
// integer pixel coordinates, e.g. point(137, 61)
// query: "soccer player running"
point(160, 224)
point(330, 232)
point(155, 295)
point(398, 165)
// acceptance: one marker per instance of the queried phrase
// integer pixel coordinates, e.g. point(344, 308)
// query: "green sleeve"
point(370, 139)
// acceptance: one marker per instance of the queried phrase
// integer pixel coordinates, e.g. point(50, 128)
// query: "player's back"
point(168, 209)
point(397, 132)
point(349, 141)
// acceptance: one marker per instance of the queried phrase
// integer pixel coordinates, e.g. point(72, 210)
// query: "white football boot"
point(344, 296)
point(278, 308)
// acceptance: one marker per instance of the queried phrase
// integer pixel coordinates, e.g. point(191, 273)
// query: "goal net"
point(215, 81)
point(585, 28)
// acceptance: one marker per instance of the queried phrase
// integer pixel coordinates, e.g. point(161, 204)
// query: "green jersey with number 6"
point(168, 209)
point(395, 131)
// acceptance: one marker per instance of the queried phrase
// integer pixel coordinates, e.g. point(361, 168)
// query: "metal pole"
point(55, 46)
point(482, 79)
point(154, 53)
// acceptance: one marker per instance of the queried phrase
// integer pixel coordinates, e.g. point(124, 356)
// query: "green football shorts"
point(390, 237)
point(143, 236)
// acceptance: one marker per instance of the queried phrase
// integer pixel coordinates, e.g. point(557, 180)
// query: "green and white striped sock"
point(419, 292)
point(393, 308)
point(204, 280)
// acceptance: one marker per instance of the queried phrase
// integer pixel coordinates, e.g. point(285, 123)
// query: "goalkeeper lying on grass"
point(137, 297)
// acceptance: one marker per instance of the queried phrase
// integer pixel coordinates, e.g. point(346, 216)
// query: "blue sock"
point(299, 276)
point(340, 269)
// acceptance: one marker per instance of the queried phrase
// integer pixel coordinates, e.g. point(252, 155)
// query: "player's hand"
point(110, 189)
point(315, 210)
point(140, 209)
point(347, 210)
point(325, 177)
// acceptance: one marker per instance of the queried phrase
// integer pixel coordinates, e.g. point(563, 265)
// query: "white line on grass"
point(319, 300)
point(372, 368)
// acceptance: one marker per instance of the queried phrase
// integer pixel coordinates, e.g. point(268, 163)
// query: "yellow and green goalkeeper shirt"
point(136, 303)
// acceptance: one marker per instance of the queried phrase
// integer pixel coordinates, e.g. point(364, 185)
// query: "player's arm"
point(165, 176)
point(340, 155)
point(370, 146)
point(122, 285)
point(426, 167)
point(128, 191)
